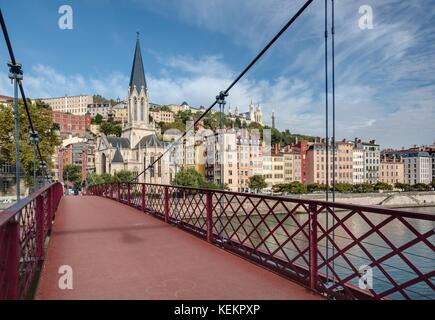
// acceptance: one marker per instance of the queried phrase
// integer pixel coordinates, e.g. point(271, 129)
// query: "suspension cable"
point(237, 79)
point(23, 96)
point(333, 119)
point(326, 127)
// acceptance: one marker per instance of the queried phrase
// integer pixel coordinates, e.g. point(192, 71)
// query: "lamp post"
point(34, 139)
point(43, 166)
point(16, 74)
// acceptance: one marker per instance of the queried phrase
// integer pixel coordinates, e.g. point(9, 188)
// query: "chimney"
point(276, 147)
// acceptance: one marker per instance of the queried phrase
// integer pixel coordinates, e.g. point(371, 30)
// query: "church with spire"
point(138, 145)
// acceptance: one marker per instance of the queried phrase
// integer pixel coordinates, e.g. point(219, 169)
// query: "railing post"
point(39, 213)
point(209, 216)
point(143, 197)
point(119, 192)
point(128, 194)
point(50, 208)
point(313, 246)
point(111, 191)
point(11, 251)
point(166, 204)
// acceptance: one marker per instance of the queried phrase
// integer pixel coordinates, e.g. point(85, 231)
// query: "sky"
point(192, 49)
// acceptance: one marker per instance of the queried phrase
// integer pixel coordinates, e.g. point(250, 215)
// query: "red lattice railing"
point(24, 228)
point(339, 250)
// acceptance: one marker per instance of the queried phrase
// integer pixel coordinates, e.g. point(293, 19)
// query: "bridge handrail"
point(248, 224)
point(24, 227)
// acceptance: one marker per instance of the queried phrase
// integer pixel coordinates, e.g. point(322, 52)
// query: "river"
point(396, 232)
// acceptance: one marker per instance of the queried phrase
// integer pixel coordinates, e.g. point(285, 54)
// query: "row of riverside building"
point(356, 162)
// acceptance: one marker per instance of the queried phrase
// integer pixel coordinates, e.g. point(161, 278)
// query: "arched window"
point(103, 163)
point(135, 109)
point(142, 109)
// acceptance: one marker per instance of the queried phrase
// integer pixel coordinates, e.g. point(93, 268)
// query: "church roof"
point(150, 141)
point(118, 142)
point(117, 157)
point(137, 77)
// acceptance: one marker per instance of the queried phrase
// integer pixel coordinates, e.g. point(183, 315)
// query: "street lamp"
point(34, 139)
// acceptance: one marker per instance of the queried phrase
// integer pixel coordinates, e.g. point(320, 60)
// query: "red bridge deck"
point(117, 252)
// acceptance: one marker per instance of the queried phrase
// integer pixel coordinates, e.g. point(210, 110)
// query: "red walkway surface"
point(118, 252)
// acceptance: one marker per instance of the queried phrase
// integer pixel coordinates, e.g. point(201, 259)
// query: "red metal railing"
point(24, 228)
point(335, 249)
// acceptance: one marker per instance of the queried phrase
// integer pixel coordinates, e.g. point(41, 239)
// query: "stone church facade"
point(138, 145)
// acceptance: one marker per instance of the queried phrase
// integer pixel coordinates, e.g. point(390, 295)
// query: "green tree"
point(42, 123)
point(73, 173)
point(257, 182)
point(122, 176)
point(383, 186)
point(399, 185)
point(98, 119)
point(363, 188)
point(294, 187)
point(111, 128)
point(189, 178)
point(421, 187)
point(316, 187)
point(297, 188)
point(343, 187)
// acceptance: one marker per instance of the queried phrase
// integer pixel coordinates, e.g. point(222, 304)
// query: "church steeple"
point(137, 77)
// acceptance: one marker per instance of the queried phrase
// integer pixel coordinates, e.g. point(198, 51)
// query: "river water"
point(420, 255)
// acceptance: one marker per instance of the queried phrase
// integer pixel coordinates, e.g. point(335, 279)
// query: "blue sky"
point(192, 49)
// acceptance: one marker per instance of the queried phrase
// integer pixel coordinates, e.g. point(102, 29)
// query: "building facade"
point(103, 109)
point(391, 170)
point(76, 105)
point(71, 124)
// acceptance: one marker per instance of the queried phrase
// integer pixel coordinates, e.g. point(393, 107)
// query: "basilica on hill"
point(138, 145)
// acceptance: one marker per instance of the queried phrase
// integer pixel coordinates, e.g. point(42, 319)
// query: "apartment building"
point(71, 124)
point(221, 157)
point(165, 116)
point(120, 112)
point(76, 105)
point(249, 156)
point(292, 166)
point(417, 165)
point(273, 168)
point(358, 166)
point(372, 159)
point(103, 109)
point(317, 167)
point(391, 170)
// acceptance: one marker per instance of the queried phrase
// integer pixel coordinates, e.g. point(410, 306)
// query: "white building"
point(372, 159)
point(358, 166)
point(70, 104)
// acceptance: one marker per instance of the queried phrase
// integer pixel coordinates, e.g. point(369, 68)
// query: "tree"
point(399, 185)
point(343, 187)
point(383, 186)
point(73, 173)
point(363, 188)
point(316, 187)
point(257, 182)
point(294, 187)
point(42, 123)
point(98, 119)
point(189, 178)
point(421, 187)
point(111, 128)
point(122, 176)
